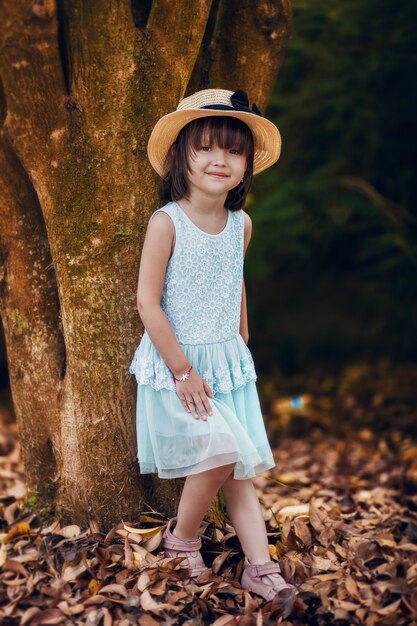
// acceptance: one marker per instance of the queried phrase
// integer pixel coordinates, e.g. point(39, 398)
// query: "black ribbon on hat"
point(240, 102)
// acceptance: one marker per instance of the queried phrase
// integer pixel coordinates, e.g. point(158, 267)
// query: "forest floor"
point(341, 515)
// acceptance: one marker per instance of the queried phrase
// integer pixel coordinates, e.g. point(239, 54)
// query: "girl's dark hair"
point(226, 132)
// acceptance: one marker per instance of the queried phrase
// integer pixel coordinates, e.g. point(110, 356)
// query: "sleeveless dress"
point(202, 299)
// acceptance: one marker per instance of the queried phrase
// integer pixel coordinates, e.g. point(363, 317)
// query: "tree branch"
point(32, 76)
point(177, 28)
point(30, 308)
point(100, 41)
point(227, 61)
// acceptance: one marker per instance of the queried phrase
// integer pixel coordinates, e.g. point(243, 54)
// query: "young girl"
point(198, 412)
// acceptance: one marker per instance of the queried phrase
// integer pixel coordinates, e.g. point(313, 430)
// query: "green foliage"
point(332, 262)
point(31, 499)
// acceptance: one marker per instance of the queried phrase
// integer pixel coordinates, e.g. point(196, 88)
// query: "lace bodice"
point(203, 282)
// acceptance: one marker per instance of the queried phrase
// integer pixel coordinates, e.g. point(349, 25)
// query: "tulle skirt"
point(171, 442)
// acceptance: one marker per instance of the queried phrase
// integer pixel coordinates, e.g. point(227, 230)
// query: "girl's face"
point(215, 170)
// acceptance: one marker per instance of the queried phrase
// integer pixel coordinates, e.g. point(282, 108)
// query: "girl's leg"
point(259, 574)
point(198, 492)
point(245, 514)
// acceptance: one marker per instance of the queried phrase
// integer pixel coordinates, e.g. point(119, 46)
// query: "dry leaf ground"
point(341, 516)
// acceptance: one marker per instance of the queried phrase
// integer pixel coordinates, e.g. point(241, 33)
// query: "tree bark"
point(243, 47)
point(83, 87)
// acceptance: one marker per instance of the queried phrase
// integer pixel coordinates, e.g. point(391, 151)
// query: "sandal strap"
point(265, 568)
point(172, 542)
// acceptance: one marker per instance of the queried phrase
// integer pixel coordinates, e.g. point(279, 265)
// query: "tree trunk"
point(83, 87)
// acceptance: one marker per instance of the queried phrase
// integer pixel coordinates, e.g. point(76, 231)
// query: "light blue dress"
point(202, 300)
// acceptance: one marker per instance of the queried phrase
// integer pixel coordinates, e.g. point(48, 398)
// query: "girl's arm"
point(244, 316)
point(156, 251)
point(243, 308)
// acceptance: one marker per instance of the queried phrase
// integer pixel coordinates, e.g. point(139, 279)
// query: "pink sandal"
point(266, 580)
point(174, 546)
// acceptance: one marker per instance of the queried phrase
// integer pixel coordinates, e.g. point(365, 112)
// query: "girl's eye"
point(232, 150)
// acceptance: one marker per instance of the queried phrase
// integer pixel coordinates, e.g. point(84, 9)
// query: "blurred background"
point(331, 269)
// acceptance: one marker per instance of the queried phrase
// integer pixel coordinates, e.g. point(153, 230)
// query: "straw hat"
point(208, 102)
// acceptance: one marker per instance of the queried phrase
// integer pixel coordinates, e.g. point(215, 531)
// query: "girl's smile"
point(217, 174)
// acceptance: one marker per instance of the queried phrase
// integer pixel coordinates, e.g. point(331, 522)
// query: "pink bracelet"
point(183, 377)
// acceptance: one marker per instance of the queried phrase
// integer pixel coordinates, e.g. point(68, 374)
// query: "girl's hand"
point(193, 395)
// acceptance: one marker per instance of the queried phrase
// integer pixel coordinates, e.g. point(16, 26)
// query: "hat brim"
point(267, 138)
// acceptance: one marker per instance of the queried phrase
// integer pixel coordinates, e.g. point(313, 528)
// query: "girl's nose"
point(219, 155)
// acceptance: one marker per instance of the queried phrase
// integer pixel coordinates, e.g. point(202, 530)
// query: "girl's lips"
point(217, 175)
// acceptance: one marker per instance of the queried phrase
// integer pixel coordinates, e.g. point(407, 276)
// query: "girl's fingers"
point(185, 404)
point(191, 406)
point(201, 406)
point(194, 400)
point(207, 404)
point(207, 389)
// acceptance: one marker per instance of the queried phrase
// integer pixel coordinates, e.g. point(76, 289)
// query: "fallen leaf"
point(93, 586)
point(149, 604)
point(145, 533)
point(17, 531)
point(70, 532)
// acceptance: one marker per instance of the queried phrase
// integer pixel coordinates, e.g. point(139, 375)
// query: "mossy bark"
point(83, 87)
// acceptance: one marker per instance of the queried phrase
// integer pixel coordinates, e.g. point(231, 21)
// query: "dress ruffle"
point(225, 365)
